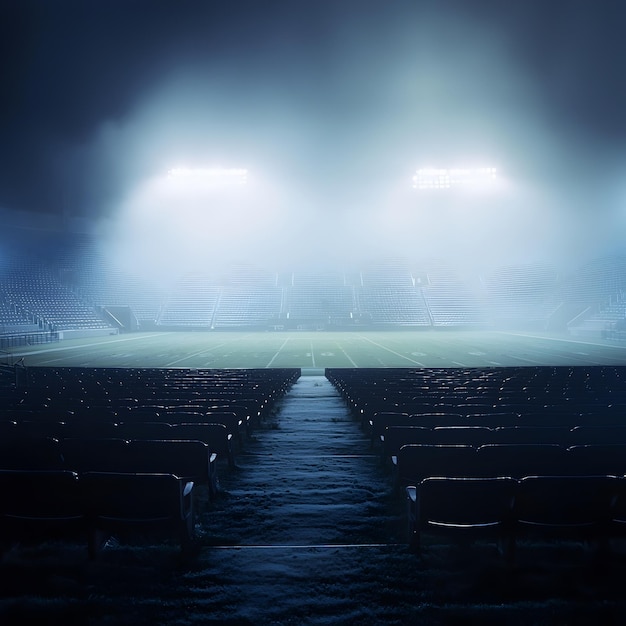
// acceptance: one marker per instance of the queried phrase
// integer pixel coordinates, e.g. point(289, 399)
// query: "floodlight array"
point(211, 176)
point(443, 178)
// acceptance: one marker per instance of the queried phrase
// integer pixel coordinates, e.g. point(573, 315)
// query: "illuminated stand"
point(216, 176)
point(443, 178)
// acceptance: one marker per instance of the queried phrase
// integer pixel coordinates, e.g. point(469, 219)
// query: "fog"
point(331, 112)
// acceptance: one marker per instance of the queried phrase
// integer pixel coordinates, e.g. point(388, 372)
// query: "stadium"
point(294, 333)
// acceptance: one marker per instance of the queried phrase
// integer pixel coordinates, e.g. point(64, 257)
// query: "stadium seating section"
point(88, 452)
point(545, 456)
point(66, 284)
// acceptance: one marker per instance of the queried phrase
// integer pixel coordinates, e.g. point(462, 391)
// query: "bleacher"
point(69, 284)
point(522, 296)
point(452, 300)
point(507, 453)
point(191, 303)
point(86, 452)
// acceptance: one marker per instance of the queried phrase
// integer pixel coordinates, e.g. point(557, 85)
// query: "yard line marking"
point(312, 354)
point(278, 352)
point(209, 349)
point(347, 356)
point(392, 351)
point(459, 364)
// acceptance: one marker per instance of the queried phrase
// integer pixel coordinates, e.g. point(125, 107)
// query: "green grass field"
point(314, 351)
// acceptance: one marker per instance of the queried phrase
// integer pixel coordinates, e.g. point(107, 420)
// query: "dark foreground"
point(307, 531)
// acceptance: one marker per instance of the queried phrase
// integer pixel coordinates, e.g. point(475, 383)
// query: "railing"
point(15, 340)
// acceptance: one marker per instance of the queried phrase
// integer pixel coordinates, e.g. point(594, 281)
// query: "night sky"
point(332, 97)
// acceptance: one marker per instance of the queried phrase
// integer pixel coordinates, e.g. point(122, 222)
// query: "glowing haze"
point(332, 108)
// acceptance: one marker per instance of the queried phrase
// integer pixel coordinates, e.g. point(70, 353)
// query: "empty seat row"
point(416, 461)
point(582, 508)
point(188, 459)
point(218, 436)
point(394, 437)
point(43, 504)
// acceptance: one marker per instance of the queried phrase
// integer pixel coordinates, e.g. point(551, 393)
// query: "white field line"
point(347, 355)
point(278, 352)
point(392, 351)
point(200, 352)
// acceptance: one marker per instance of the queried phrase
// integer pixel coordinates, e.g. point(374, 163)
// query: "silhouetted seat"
point(439, 418)
point(39, 504)
point(119, 502)
point(522, 459)
point(145, 430)
point(599, 459)
point(416, 462)
point(187, 459)
point(397, 436)
point(589, 434)
point(464, 507)
point(567, 507)
point(216, 436)
point(233, 422)
point(31, 453)
point(90, 429)
point(466, 435)
point(93, 455)
point(381, 420)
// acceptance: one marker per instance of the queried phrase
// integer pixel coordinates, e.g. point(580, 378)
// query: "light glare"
point(444, 178)
point(211, 176)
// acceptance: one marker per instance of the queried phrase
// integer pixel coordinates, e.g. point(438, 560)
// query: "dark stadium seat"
point(31, 453)
point(531, 434)
point(187, 459)
point(93, 455)
point(397, 436)
point(118, 502)
point(216, 436)
point(519, 460)
point(465, 508)
point(145, 430)
point(416, 462)
point(565, 507)
point(39, 504)
point(597, 434)
point(599, 459)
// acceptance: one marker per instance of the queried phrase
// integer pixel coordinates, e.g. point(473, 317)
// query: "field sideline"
point(314, 351)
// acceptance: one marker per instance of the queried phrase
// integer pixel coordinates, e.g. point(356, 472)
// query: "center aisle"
point(307, 511)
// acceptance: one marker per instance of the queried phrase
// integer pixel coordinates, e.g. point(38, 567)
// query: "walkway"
point(307, 511)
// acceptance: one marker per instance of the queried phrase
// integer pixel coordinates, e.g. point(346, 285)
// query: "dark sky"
point(328, 95)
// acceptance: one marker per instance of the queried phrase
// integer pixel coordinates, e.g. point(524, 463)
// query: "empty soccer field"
point(314, 351)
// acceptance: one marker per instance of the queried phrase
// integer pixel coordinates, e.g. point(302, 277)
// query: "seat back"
point(93, 455)
point(417, 462)
point(520, 459)
point(43, 496)
point(184, 458)
point(599, 459)
point(565, 501)
point(464, 502)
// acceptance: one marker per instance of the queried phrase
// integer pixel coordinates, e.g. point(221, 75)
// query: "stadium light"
point(444, 178)
point(216, 176)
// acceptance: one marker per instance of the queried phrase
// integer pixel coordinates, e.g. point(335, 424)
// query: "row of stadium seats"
point(86, 474)
point(553, 462)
